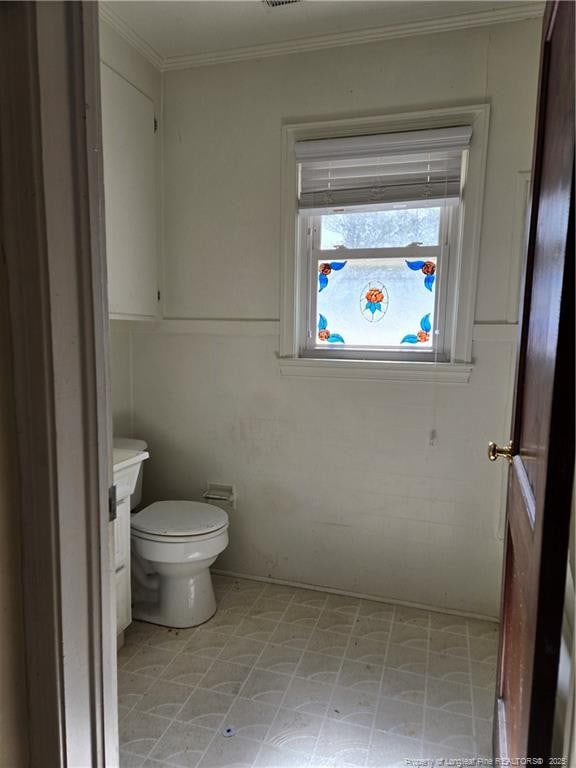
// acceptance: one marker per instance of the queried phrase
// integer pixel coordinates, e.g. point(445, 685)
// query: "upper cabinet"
point(130, 189)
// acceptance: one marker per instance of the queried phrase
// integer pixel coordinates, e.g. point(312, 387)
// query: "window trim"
point(464, 265)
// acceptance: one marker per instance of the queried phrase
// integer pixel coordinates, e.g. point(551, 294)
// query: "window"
point(380, 240)
point(377, 215)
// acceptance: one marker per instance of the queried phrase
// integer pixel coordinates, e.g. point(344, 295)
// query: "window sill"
point(450, 373)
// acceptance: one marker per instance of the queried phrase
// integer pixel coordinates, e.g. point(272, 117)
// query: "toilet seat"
point(179, 521)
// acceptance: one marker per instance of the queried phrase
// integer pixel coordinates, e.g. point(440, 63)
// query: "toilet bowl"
point(174, 543)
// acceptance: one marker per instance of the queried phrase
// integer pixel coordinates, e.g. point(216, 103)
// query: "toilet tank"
point(129, 444)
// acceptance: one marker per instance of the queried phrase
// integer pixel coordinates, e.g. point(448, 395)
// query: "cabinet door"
point(130, 197)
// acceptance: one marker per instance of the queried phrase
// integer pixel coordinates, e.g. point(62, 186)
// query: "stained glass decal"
point(325, 269)
point(326, 335)
point(428, 268)
point(423, 334)
point(392, 228)
point(373, 303)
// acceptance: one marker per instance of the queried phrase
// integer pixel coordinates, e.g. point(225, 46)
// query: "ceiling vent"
point(278, 3)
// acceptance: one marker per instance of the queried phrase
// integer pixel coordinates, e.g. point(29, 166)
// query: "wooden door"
point(542, 446)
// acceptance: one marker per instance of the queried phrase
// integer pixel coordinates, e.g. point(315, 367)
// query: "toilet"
point(174, 543)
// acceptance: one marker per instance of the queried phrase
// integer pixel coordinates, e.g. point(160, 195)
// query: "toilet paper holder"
point(221, 495)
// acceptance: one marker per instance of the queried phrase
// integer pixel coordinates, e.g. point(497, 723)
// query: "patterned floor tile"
point(206, 643)
point(391, 751)
point(163, 698)
point(369, 651)
point(230, 753)
point(484, 650)
point(266, 687)
point(279, 658)
point(274, 757)
point(333, 621)
point(328, 643)
point(409, 636)
point(404, 686)
point(483, 700)
point(139, 732)
point(455, 669)
point(225, 677)
point(406, 659)
point(301, 615)
point(242, 650)
point(132, 687)
point(370, 628)
point(291, 635)
point(319, 668)
point(182, 744)
point(483, 675)
point(149, 661)
point(256, 628)
point(268, 608)
point(353, 706)
point(128, 760)
point(401, 718)
point(287, 677)
point(186, 669)
point(250, 719)
point(360, 675)
point(342, 744)
point(449, 730)
point(206, 708)
point(374, 610)
point(343, 604)
point(449, 643)
point(451, 697)
point(308, 696)
point(295, 731)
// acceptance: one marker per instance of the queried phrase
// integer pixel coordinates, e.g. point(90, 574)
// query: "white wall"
point(337, 483)
point(121, 377)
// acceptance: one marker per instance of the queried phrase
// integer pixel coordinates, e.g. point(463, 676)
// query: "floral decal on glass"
point(326, 268)
point(422, 335)
point(324, 334)
point(374, 301)
point(428, 268)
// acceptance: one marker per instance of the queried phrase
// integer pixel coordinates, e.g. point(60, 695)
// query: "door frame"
point(52, 225)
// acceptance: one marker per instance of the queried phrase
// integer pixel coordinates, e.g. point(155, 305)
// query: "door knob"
point(494, 451)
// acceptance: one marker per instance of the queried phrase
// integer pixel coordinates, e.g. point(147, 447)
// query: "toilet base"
point(183, 600)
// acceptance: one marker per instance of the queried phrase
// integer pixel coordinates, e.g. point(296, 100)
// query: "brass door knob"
point(494, 451)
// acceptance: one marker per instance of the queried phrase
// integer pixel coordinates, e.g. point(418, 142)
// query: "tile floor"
point(290, 678)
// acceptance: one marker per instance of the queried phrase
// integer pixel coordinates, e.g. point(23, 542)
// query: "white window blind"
point(423, 167)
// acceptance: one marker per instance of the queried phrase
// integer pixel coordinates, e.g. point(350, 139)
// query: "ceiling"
point(203, 31)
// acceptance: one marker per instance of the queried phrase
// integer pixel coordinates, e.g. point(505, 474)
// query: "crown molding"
point(521, 12)
point(127, 33)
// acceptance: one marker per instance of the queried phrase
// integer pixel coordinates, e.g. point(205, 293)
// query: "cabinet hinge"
point(112, 503)
point(155, 124)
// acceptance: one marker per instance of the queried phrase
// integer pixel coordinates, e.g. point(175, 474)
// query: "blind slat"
point(389, 168)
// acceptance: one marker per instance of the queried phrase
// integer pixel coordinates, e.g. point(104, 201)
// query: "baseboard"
point(378, 599)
